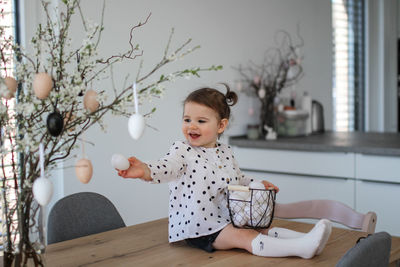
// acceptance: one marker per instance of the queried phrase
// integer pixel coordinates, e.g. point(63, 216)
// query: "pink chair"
point(327, 209)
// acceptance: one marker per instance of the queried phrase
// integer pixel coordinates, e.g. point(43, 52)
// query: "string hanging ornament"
point(136, 123)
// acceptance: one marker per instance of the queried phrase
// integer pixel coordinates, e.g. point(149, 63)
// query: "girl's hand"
point(269, 185)
point(137, 169)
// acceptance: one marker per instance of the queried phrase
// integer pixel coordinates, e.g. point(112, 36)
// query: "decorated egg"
point(90, 101)
point(42, 190)
point(11, 85)
point(84, 170)
point(55, 123)
point(136, 126)
point(119, 162)
point(42, 85)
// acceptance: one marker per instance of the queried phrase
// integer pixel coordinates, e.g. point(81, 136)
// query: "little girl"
point(199, 170)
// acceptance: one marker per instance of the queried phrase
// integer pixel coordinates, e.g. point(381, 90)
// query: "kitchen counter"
point(385, 144)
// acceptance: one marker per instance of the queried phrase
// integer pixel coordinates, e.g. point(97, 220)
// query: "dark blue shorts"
point(204, 242)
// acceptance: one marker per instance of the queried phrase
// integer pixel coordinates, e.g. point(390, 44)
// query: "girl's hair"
point(214, 99)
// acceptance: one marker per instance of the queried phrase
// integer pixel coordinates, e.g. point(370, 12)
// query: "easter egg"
point(84, 170)
point(42, 85)
point(11, 85)
point(119, 162)
point(256, 185)
point(55, 123)
point(136, 126)
point(42, 190)
point(90, 101)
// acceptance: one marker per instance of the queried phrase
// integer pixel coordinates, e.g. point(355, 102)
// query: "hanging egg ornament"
point(84, 170)
point(11, 85)
point(136, 123)
point(136, 126)
point(42, 190)
point(42, 85)
point(119, 162)
point(55, 123)
point(90, 101)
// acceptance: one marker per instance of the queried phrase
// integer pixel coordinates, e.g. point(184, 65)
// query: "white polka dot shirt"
point(197, 178)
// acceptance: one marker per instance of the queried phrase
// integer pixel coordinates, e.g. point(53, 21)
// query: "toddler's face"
point(201, 125)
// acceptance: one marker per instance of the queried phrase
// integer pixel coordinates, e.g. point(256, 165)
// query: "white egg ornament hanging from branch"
point(42, 187)
point(10, 87)
point(136, 123)
point(42, 85)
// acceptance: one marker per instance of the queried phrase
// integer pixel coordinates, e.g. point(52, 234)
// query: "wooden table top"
point(147, 245)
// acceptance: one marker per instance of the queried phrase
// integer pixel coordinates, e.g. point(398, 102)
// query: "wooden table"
point(147, 245)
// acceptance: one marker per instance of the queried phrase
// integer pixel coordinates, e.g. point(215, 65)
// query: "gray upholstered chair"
point(371, 251)
point(82, 214)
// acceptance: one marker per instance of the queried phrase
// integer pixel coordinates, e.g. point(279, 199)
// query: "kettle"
point(317, 117)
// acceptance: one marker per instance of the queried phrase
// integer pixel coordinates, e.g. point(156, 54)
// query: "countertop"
point(385, 144)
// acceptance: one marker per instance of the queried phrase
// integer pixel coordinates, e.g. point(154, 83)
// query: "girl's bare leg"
point(231, 237)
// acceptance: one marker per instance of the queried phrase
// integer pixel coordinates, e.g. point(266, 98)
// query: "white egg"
point(136, 126)
point(84, 170)
point(119, 162)
point(256, 185)
point(42, 190)
point(241, 195)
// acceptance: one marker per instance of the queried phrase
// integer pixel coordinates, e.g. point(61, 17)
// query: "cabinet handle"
point(378, 182)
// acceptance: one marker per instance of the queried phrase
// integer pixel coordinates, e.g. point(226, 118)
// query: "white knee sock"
point(287, 233)
point(326, 235)
point(284, 233)
point(305, 246)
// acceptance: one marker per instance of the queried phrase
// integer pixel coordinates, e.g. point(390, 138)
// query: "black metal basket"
point(251, 208)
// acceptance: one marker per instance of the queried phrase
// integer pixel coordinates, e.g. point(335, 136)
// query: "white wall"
point(230, 32)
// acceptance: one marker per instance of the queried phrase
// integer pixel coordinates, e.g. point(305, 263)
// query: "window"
point(348, 64)
point(8, 26)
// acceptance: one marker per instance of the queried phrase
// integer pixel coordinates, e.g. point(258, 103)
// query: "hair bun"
point(230, 96)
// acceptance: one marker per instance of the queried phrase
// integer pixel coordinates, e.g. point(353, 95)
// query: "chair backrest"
point(82, 214)
point(328, 209)
point(373, 250)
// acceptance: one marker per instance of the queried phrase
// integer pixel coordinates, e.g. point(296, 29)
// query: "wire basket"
point(251, 208)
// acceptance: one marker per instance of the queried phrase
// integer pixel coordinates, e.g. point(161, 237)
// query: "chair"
point(82, 214)
point(374, 250)
point(328, 209)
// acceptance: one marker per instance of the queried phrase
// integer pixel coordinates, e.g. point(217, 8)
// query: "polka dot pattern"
point(197, 178)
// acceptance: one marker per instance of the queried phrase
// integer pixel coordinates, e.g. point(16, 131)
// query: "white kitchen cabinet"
point(384, 199)
point(335, 164)
point(378, 189)
point(298, 187)
point(378, 168)
point(362, 181)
